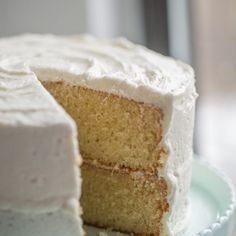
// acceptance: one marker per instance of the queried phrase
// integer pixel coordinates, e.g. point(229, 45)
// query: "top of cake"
point(117, 65)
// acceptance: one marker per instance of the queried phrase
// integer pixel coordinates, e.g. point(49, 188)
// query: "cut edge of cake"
point(175, 173)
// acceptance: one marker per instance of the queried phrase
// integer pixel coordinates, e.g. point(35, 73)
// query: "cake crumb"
point(102, 234)
point(119, 234)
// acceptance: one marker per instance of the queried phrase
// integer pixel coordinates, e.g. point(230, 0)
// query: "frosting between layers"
point(122, 68)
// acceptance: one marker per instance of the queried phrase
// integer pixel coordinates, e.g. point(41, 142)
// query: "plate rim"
point(229, 211)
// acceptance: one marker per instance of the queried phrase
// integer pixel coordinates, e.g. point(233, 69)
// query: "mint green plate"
point(212, 198)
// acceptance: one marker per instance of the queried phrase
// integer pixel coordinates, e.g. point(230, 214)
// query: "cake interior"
point(119, 141)
point(112, 130)
point(126, 201)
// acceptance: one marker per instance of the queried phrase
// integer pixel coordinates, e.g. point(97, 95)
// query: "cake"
point(134, 111)
point(39, 174)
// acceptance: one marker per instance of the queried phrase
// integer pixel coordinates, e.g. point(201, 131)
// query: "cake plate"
point(212, 198)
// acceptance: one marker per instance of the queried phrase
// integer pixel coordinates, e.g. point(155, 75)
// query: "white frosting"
point(119, 67)
point(116, 65)
point(178, 139)
point(38, 161)
point(58, 222)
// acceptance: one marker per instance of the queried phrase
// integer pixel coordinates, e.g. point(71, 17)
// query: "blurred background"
point(201, 33)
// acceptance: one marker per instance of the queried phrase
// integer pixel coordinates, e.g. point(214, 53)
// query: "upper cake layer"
point(38, 165)
point(116, 66)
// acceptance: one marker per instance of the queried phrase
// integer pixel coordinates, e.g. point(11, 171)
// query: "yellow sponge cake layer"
point(132, 201)
point(112, 130)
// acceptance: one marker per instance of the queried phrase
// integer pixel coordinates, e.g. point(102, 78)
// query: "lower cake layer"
point(128, 201)
point(57, 223)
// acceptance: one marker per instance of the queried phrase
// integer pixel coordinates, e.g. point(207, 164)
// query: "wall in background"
point(112, 18)
point(103, 18)
point(35, 16)
point(214, 40)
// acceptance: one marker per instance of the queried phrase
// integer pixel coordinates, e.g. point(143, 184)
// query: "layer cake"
point(134, 111)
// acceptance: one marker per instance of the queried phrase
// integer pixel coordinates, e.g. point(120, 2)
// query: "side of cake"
point(134, 111)
point(121, 141)
point(39, 175)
